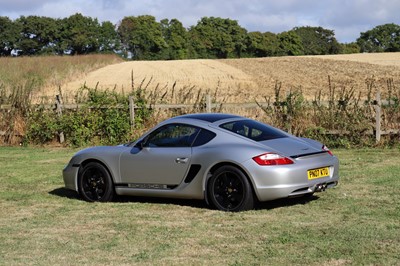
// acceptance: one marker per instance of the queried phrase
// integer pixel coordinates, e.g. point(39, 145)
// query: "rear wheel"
point(95, 183)
point(229, 190)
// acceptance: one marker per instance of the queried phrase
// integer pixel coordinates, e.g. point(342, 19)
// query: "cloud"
point(21, 5)
point(350, 18)
point(346, 17)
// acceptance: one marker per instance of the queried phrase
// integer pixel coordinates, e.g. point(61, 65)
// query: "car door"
point(162, 158)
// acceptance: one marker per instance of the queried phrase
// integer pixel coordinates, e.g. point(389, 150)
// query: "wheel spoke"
point(225, 180)
point(236, 183)
point(236, 196)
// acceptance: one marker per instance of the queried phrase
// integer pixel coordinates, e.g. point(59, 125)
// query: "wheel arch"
point(218, 165)
point(93, 160)
point(101, 181)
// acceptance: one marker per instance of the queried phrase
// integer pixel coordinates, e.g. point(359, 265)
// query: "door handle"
point(181, 160)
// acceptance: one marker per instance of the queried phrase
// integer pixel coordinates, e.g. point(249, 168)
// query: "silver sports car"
point(228, 160)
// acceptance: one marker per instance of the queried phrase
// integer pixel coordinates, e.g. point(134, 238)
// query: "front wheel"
point(230, 190)
point(95, 183)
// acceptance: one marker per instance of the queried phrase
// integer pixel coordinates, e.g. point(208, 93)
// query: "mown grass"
point(41, 223)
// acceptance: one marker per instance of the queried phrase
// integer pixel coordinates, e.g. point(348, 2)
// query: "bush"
point(102, 120)
point(43, 127)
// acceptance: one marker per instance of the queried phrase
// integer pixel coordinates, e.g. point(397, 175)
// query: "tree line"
point(144, 38)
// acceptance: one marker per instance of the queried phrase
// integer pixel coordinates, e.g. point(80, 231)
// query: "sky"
point(347, 18)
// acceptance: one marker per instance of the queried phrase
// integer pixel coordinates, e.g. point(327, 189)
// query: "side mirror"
point(142, 144)
point(139, 145)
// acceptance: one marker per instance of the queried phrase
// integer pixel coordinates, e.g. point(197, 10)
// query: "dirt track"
point(246, 79)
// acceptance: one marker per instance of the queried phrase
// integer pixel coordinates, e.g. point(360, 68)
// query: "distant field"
point(201, 74)
point(230, 80)
point(45, 74)
point(385, 59)
point(249, 79)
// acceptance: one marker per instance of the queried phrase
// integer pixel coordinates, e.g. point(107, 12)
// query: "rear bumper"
point(274, 182)
point(271, 193)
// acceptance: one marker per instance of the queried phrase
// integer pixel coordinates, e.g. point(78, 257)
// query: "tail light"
point(327, 150)
point(272, 159)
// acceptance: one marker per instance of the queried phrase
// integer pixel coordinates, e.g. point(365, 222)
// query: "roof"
point(209, 117)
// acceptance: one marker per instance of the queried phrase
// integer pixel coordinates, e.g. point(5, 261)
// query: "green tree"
point(317, 40)
point(142, 37)
point(289, 44)
point(176, 38)
point(382, 38)
point(261, 44)
point(38, 35)
point(350, 48)
point(272, 43)
point(255, 45)
point(125, 31)
point(8, 36)
point(218, 38)
point(109, 40)
point(80, 35)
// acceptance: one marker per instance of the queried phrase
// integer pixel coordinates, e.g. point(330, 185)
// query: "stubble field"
point(243, 80)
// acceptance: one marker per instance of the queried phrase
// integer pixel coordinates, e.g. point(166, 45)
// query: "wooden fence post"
point(208, 103)
point(131, 112)
point(378, 117)
point(59, 113)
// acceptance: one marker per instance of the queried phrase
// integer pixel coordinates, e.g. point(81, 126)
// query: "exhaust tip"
point(321, 187)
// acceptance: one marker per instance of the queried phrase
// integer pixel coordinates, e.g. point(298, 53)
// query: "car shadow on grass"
point(70, 194)
point(65, 193)
point(285, 202)
point(200, 204)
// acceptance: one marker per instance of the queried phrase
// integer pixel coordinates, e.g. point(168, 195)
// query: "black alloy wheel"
point(230, 190)
point(95, 183)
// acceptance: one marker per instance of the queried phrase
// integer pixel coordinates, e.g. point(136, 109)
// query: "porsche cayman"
point(229, 161)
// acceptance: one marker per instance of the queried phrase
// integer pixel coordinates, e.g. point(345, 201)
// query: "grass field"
point(41, 223)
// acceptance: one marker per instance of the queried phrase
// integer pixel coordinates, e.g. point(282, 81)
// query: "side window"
point(203, 137)
point(255, 133)
point(237, 127)
point(172, 135)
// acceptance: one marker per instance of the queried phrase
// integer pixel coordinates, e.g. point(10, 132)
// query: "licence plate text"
point(318, 173)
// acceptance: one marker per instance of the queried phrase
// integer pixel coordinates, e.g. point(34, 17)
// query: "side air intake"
point(193, 171)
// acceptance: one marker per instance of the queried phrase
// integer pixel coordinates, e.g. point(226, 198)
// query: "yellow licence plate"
point(318, 173)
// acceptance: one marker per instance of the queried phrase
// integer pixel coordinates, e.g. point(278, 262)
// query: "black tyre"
point(230, 190)
point(95, 183)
